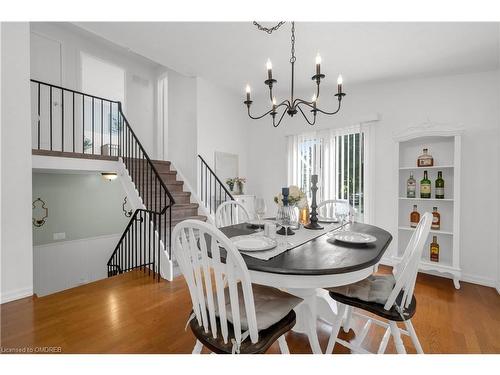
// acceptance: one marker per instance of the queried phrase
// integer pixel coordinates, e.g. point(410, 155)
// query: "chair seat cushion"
point(375, 288)
point(352, 299)
point(266, 336)
point(271, 305)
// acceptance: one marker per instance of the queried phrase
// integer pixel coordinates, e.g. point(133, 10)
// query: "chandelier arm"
point(281, 118)
point(303, 114)
point(258, 117)
point(330, 113)
point(298, 101)
point(283, 103)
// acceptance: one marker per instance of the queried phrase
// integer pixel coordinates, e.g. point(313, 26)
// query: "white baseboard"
point(478, 280)
point(474, 279)
point(15, 295)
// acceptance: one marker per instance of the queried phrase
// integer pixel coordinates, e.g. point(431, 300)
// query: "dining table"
point(305, 270)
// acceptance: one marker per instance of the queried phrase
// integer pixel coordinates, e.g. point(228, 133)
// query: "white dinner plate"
point(353, 237)
point(253, 243)
point(328, 220)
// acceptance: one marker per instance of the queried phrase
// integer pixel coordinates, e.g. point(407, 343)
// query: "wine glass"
point(260, 210)
point(286, 217)
point(341, 211)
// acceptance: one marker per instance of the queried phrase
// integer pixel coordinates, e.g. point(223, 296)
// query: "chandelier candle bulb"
point(269, 66)
point(318, 64)
point(248, 92)
point(339, 84)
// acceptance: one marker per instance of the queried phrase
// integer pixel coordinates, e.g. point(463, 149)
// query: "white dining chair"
point(230, 213)
point(387, 296)
point(329, 208)
point(230, 315)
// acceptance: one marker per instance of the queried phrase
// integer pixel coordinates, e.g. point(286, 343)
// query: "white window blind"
point(338, 157)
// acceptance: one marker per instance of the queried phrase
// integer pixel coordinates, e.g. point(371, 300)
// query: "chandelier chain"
point(268, 30)
point(293, 58)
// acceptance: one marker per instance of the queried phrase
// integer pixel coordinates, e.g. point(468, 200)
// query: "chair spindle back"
point(198, 248)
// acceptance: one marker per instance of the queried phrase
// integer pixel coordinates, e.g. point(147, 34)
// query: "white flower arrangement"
point(295, 197)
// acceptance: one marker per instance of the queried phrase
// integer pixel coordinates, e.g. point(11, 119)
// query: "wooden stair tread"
point(183, 206)
point(180, 193)
point(163, 162)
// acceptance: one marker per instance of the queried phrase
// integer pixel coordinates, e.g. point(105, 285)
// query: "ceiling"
point(234, 53)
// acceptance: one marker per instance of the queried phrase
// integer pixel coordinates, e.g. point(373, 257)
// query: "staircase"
point(183, 208)
point(76, 124)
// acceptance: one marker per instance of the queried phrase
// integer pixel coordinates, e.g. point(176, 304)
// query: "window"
point(337, 156)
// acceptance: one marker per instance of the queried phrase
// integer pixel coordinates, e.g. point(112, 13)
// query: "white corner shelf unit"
point(443, 143)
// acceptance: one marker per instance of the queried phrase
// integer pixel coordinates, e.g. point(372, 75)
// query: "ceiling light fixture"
point(293, 105)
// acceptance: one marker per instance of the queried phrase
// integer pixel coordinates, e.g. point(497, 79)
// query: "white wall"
point(182, 144)
point(470, 100)
point(204, 118)
point(140, 74)
point(16, 245)
point(223, 124)
point(67, 264)
point(81, 205)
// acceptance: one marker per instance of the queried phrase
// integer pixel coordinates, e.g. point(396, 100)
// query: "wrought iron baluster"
point(73, 115)
point(83, 124)
point(62, 120)
point(93, 138)
point(51, 104)
point(38, 104)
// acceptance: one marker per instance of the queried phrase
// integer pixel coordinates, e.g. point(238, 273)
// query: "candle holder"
point(285, 231)
point(313, 223)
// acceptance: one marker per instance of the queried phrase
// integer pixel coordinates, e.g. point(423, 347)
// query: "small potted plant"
point(230, 183)
point(238, 182)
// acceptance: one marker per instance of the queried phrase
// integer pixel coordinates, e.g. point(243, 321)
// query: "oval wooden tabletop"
point(320, 256)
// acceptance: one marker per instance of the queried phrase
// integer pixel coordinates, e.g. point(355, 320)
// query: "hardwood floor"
point(132, 313)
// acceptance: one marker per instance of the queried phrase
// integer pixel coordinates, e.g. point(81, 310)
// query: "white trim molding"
point(16, 294)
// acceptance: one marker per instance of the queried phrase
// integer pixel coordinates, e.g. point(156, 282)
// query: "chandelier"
point(293, 105)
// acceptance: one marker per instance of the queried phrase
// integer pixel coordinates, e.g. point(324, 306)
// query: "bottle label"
point(435, 220)
point(440, 191)
point(411, 190)
point(427, 162)
point(425, 189)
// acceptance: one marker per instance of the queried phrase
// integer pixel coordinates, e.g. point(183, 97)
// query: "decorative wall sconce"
point(110, 176)
point(41, 221)
point(125, 212)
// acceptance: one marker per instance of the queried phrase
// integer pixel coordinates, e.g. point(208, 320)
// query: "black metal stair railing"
point(211, 191)
point(67, 120)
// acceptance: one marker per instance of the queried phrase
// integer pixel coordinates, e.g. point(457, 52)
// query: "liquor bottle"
point(425, 160)
point(411, 187)
point(436, 219)
point(425, 187)
point(414, 217)
point(440, 186)
point(434, 255)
